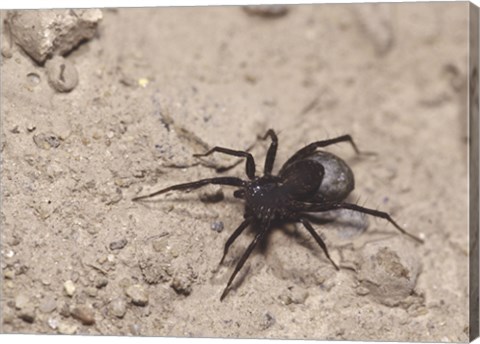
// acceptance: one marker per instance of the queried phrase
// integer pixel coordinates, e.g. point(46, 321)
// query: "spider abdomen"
point(333, 181)
point(338, 180)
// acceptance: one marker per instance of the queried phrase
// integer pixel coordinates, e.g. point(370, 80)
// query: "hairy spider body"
point(265, 200)
point(310, 181)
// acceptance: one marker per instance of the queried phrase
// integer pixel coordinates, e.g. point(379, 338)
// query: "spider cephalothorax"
point(310, 181)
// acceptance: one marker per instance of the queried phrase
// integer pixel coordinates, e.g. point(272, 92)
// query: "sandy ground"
point(78, 256)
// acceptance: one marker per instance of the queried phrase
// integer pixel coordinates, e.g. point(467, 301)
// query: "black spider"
point(288, 196)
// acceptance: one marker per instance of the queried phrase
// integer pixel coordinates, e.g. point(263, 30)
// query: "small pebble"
point(84, 314)
point(27, 313)
point(31, 127)
point(118, 307)
point(9, 273)
point(266, 11)
point(74, 276)
point(64, 310)
point(182, 285)
point(62, 74)
point(159, 245)
point(217, 226)
point(8, 315)
point(91, 291)
point(135, 329)
point(33, 79)
point(69, 288)
point(268, 321)
point(294, 295)
point(66, 328)
point(389, 270)
point(21, 301)
point(101, 282)
point(118, 245)
point(138, 295)
point(7, 52)
point(46, 140)
point(362, 291)
point(53, 323)
point(48, 305)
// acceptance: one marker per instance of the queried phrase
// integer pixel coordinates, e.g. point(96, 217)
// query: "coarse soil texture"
point(156, 86)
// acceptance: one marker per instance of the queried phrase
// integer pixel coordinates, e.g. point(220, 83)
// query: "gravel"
point(118, 307)
point(84, 314)
point(138, 295)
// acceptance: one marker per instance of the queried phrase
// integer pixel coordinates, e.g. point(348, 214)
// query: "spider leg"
point(250, 164)
point(309, 149)
point(318, 239)
point(272, 151)
point(221, 169)
point(240, 193)
point(234, 236)
point(232, 181)
point(242, 261)
point(311, 207)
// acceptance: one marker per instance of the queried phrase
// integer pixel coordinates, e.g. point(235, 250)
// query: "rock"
point(8, 315)
point(118, 307)
point(182, 282)
point(135, 329)
point(294, 295)
point(46, 140)
point(91, 291)
point(118, 245)
point(53, 323)
point(48, 305)
point(69, 288)
point(64, 328)
point(138, 295)
point(21, 301)
point(217, 226)
point(44, 33)
point(155, 269)
point(389, 270)
point(6, 51)
point(159, 245)
point(64, 310)
point(101, 282)
point(182, 286)
point(266, 11)
point(27, 313)
point(9, 273)
point(84, 314)
point(268, 321)
point(62, 74)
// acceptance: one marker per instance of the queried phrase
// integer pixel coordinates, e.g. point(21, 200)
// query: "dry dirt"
point(158, 85)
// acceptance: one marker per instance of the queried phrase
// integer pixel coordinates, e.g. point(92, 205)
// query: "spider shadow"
point(294, 232)
point(300, 235)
